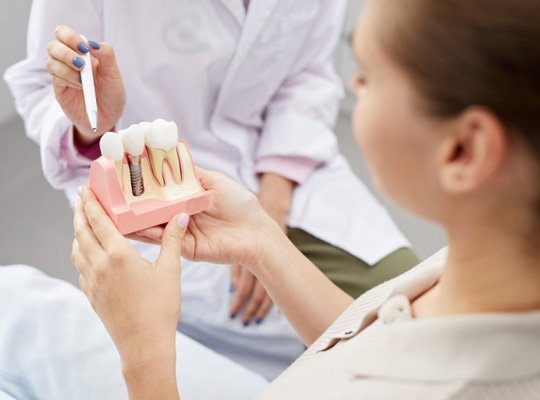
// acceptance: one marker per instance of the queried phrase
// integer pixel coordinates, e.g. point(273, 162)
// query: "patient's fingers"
point(150, 235)
point(87, 243)
point(104, 230)
point(208, 178)
point(79, 260)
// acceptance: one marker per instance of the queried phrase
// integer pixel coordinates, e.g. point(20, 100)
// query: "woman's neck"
point(488, 270)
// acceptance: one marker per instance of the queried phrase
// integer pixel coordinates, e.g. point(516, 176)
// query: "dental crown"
point(160, 138)
point(112, 147)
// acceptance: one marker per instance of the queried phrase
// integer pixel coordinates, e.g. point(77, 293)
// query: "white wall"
point(13, 23)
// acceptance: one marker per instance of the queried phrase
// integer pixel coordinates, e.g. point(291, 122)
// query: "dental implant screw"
point(135, 173)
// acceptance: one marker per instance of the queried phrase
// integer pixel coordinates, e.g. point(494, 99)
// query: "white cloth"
point(242, 87)
point(375, 350)
point(53, 347)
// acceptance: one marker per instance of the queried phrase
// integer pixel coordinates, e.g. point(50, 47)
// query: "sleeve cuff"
point(296, 169)
point(293, 135)
point(62, 163)
point(78, 154)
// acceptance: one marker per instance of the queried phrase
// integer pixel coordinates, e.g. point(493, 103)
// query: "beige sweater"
point(376, 351)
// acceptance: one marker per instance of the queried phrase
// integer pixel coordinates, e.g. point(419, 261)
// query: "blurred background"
point(35, 220)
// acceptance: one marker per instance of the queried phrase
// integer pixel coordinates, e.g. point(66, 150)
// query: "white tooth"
point(112, 147)
point(133, 138)
point(145, 127)
point(161, 135)
point(161, 140)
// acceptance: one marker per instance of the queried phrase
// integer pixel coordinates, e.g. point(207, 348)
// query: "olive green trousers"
point(348, 272)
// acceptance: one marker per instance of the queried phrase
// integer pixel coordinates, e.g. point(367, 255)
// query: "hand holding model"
point(65, 64)
point(121, 285)
point(115, 277)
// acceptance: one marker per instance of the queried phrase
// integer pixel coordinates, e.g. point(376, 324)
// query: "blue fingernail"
point(231, 288)
point(233, 316)
point(258, 322)
point(94, 45)
point(78, 62)
point(83, 48)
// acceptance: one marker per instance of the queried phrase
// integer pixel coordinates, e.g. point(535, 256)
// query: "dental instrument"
point(89, 90)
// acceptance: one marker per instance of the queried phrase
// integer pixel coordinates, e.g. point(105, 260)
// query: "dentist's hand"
point(66, 60)
point(138, 301)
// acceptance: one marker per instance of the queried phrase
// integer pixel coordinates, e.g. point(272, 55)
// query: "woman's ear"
point(473, 151)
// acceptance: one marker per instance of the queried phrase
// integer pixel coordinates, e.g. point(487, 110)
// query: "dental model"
point(133, 139)
point(161, 143)
point(146, 188)
point(112, 148)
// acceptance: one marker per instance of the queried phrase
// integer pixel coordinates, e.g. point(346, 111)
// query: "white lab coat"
point(241, 88)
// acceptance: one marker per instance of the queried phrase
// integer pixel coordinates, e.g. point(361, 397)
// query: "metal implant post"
point(135, 173)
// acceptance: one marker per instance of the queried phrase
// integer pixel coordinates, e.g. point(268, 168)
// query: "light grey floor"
point(35, 220)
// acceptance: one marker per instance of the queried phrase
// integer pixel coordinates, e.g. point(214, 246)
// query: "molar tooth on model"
point(112, 147)
point(161, 142)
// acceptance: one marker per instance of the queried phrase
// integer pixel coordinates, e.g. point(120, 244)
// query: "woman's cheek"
point(359, 122)
point(365, 129)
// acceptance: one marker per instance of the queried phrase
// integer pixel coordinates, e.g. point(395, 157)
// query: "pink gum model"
point(110, 182)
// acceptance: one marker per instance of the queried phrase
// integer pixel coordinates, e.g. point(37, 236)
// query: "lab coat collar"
point(237, 9)
point(258, 16)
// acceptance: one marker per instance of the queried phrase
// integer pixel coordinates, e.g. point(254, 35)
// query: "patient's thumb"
point(171, 241)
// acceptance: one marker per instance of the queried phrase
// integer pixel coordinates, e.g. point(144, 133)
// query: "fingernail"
point(78, 62)
point(258, 322)
point(94, 45)
point(231, 288)
point(182, 221)
point(246, 323)
point(233, 316)
point(83, 48)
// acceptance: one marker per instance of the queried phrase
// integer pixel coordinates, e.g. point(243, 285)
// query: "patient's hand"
point(232, 231)
point(138, 301)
